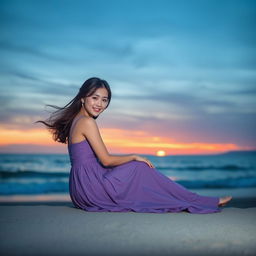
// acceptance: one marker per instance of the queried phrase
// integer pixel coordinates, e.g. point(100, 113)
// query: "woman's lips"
point(96, 109)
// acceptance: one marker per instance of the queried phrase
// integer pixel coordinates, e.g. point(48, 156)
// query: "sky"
point(182, 73)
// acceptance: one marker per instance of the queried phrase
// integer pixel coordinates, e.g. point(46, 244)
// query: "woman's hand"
point(143, 159)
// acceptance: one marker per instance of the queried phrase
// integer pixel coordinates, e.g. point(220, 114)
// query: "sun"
point(160, 153)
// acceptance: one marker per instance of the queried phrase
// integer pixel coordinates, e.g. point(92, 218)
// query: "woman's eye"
point(104, 100)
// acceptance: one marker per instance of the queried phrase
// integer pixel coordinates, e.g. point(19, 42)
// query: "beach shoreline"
point(64, 197)
point(242, 202)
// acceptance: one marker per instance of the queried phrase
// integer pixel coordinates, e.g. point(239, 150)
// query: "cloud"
point(26, 49)
point(184, 68)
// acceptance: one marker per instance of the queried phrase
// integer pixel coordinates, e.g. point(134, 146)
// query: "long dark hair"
point(60, 121)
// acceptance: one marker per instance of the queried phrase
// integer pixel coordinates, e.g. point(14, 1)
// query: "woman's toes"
point(224, 200)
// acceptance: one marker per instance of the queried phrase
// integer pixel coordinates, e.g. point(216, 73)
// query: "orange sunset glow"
point(118, 141)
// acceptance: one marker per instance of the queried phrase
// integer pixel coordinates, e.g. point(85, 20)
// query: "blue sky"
point(184, 69)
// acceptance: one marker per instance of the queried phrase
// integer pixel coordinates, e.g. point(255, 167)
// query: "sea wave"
point(61, 186)
point(17, 171)
point(32, 174)
point(239, 182)
point(228, 167)
point(13, 188)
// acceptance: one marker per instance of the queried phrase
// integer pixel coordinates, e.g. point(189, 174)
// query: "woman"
point(100, 181)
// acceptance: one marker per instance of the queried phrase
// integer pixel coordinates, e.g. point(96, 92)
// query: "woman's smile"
point(97, 109)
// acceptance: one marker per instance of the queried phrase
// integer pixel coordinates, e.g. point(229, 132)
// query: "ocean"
point(41, 174)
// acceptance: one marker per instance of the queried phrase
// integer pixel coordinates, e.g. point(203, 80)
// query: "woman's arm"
point(90, 131)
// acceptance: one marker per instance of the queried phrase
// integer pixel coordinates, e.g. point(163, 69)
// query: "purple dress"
point(132, 186)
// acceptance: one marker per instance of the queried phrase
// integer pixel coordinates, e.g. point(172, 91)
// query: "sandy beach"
point(58, 228)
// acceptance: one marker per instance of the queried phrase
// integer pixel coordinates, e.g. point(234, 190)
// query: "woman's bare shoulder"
point(86, 122)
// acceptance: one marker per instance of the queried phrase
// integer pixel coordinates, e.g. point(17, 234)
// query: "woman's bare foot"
point(224, 200)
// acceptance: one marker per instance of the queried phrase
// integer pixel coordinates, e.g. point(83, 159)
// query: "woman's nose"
point(99, 103)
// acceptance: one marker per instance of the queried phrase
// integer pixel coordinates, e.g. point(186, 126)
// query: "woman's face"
point(96, 103)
